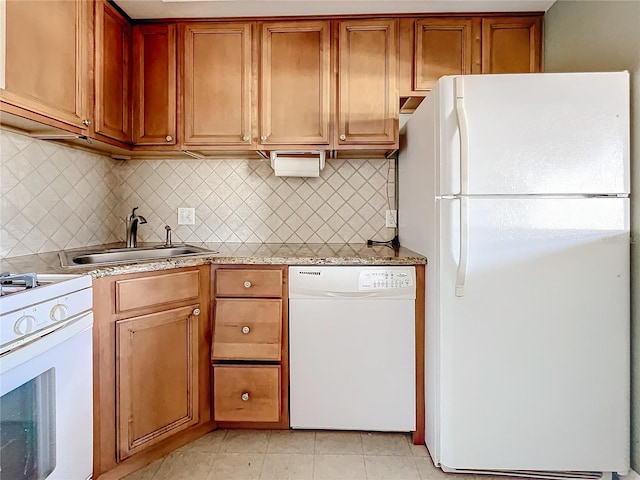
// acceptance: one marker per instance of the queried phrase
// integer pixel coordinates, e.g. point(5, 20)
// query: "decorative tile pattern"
point(54, 197)
point(242, 201)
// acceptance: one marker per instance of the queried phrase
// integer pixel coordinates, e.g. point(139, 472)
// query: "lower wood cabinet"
point(152, 375)
point(249, 393)
point(250, 355)
point(156, 377)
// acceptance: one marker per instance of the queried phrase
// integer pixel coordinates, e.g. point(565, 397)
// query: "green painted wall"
point(605, 36)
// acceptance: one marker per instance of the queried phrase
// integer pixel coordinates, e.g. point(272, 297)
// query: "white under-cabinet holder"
point(297, 163)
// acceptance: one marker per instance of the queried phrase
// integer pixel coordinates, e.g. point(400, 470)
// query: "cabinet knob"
point(86, 122)
point(168, 138)
point(245, 396)
point(245, 330)
point(247, 284)
point(196, 312)
point(263, 138)
point(245, 138)
point(343, 137)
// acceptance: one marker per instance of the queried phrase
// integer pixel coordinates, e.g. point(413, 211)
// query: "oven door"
point(46, 406)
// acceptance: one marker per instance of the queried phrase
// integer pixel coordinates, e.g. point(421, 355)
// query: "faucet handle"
point(167, 242)
point(132, 214)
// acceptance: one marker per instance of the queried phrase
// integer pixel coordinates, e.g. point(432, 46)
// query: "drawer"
point(246, 329)
point(248, 283)
point(246, 394)
point(142, 292)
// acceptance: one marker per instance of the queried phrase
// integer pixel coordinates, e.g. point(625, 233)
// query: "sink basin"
point(127, 255)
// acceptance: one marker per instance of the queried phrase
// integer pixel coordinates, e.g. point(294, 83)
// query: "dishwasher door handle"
point(350, 294)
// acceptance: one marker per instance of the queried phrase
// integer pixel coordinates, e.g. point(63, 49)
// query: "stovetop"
point(21, 290)
point(13, 283)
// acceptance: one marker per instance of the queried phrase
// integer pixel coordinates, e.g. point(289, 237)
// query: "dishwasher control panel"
point(351, 281)
point(385, 278)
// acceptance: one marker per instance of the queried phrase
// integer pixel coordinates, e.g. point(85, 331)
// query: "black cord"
point(394, 243)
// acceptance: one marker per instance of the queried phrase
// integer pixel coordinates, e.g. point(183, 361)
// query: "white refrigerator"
point(516, 189)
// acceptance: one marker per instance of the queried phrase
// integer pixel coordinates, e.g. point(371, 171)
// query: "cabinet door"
point(154, 85)
point(48, 53)
point(367, 98)
point(218, 72)
point(295, 88)
point(156, 377)
point(112, 73)
point(511, 45)
point(442, 46)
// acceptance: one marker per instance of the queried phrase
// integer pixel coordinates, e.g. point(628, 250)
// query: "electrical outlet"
point(392, 218)
point(186, 216)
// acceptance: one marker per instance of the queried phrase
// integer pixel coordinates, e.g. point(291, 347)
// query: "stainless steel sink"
point(127, 255)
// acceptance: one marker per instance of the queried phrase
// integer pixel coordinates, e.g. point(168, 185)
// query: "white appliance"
point(46, 401)
point(516, 189)
point(352, 348)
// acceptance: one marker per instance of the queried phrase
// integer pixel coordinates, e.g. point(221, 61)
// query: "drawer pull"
point(196, 312)
point(247, 284)
point(245, 330)
point(245, 397)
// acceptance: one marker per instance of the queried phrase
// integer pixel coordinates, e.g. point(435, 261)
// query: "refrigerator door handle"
point(461, 116)
point(461, 273)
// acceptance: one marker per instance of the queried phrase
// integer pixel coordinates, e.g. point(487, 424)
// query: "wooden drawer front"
point(246, 394)
point(247, 329)
point(249, 283)
point(156, 290)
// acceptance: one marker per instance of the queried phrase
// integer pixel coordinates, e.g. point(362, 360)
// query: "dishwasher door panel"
point(352, 364)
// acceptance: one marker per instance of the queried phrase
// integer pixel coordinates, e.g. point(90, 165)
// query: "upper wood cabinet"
point(511, 45)
point(295, 84)
point(367, 97)
point(433, 47)
point(112, 73)
point(48, 54)
point(217, 82)
point(154, 85)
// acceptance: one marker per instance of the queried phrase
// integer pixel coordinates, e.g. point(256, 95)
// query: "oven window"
point(28, 429)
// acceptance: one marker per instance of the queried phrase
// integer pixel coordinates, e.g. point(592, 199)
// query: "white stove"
point(33, 305)
point(46, 401)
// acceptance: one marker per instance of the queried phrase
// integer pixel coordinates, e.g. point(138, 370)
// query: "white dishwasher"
point(352, 348)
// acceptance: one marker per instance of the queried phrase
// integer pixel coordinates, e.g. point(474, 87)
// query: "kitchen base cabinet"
point(157, 377)
point(152, 387)
point(250, 354)
point(248, 393)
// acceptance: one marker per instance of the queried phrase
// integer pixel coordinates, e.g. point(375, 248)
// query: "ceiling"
point(138, 9)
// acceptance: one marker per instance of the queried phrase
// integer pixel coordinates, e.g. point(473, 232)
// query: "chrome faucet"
point(132, 227)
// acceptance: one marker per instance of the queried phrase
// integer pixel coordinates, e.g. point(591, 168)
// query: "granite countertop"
point(227, 253)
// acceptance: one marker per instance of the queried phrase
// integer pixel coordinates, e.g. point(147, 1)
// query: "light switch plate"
point(186, 216)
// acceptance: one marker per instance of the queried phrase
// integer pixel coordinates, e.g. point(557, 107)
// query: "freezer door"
point(555, 133)
point(534, 356)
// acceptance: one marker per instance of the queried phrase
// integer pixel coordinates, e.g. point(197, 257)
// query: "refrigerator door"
point(552, 133)
point(534, 356)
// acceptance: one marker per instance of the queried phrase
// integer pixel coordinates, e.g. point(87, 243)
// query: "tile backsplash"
point(54, 197)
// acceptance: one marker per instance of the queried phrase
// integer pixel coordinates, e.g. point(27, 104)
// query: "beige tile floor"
point(296, 455)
